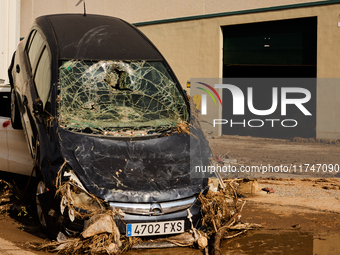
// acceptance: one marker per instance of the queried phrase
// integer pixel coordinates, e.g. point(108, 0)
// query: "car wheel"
point(49, 218)
point(46, 202)
point(15, 114)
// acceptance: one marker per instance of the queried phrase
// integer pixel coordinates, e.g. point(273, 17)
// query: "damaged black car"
point(106, 122)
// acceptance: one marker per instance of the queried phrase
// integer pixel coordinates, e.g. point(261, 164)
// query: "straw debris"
point(67, 192)
point(183, 127)
point(221, 213)
point(6, 192)
point(101, 236)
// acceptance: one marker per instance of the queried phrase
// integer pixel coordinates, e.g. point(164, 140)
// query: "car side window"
point(34, 47)
point(42, 76)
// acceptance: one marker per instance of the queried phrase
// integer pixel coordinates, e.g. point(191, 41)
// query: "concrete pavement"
point(8, 248)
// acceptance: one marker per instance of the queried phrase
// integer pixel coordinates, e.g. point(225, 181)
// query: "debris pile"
point(5, 196)
point(12, 200)
point(101, 236)
point(75, 204)
point(222, 214)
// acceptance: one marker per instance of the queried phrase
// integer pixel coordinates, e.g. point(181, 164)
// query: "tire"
point(49, 217)
point(41, 188)
point(15, 114)
point(46, 203)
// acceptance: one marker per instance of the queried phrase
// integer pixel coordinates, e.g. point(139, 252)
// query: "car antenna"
point(84, 6)
point(84, 9)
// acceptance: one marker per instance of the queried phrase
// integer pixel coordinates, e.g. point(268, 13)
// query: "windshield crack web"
point(118, 98)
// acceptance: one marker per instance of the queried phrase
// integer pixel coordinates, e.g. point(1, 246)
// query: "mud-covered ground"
point(302, 216)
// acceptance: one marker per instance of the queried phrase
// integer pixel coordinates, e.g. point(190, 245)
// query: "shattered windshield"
point(118, 97)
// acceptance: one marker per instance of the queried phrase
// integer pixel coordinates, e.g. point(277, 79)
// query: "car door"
point(35, 59)
point(40, 93)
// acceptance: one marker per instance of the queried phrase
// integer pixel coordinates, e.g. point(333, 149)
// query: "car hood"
point(148, 170)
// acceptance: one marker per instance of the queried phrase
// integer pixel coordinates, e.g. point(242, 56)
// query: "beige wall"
point(141, 10)
point(9, 31)
point(193, 48)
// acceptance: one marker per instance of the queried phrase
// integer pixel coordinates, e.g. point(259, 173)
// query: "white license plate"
point(155, 228)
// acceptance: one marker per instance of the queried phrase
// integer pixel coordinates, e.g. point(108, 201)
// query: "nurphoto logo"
point(257, 103)
point(204, 97)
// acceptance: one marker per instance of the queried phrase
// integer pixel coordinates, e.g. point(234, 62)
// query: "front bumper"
point(194, 220)
point(180, 215)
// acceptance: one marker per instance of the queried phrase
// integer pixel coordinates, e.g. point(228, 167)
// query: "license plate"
point(155, 228)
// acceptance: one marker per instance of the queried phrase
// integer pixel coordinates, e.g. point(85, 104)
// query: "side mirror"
point(38, 108)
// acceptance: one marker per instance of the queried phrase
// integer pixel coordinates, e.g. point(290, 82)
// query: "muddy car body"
point(100, 106)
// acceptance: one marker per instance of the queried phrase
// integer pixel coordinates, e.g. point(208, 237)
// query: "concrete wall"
point(138, 10)
point(9, 33)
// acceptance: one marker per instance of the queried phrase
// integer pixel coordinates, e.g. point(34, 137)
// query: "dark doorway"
point(281, 49)
point(274, 49)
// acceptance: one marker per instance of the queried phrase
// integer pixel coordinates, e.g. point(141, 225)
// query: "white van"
point(14, 154)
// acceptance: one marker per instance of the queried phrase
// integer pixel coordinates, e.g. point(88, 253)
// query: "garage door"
point(275, 49)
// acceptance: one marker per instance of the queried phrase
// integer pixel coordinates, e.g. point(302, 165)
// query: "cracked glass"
point(118, 98)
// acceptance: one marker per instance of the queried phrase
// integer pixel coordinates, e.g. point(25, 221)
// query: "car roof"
point(95, 37)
